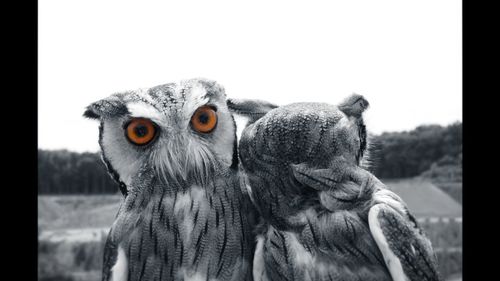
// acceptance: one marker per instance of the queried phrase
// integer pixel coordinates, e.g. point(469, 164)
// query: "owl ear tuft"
point(354, 105)
point(249, 108)
point(105, 108)
point(91, 112)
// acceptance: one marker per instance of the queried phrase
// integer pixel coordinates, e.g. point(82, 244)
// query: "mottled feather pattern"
point(109, 257)
point(308, 255)
point(170, 236)
point(413, 248)
point(303, 236)
point(303, 163)
point(295, 133)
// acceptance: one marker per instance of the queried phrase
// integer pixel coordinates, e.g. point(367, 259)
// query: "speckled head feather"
point(309, 133)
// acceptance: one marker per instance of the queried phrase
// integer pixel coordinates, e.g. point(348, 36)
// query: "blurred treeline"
point(65, 172)
point(431, 150)
point(409, 154)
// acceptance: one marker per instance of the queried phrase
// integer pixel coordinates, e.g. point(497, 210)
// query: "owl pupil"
point(203, 118)
point(141, 130)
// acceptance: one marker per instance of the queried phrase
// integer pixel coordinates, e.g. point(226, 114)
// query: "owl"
point(173, 150)
point(325, 216)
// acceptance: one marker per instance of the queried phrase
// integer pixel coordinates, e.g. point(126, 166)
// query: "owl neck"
point(153, 195)
point(150, 182)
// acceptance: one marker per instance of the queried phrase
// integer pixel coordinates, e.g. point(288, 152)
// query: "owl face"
point(182, 131)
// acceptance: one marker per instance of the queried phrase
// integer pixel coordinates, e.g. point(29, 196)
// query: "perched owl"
point(326, 218)
point(173, 150)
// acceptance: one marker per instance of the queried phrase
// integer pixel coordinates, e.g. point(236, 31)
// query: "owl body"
point(185, 235)
point(302, 240)
point(338, 247)
point(326, 218)
point(172, 149)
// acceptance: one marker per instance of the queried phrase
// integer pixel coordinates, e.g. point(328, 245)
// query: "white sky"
point(405, 57)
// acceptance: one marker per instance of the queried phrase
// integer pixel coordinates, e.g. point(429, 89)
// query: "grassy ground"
point(74, 211)
point(70, 260)
point(454, 189)
point(61, 257)
point(73, 231)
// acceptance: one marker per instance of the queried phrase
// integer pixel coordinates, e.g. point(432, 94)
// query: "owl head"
point(313, 135)
point(182, 132)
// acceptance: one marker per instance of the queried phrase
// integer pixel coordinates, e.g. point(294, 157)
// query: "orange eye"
point(140, 131)
point(204, 119)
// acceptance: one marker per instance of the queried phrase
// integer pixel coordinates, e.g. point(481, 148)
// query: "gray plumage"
point(184, 214)
point(326, 218)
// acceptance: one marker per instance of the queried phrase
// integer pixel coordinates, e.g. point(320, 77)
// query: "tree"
point(407, 154)
point(64, 172)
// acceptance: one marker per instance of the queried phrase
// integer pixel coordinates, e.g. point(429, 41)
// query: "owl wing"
point(407, 252)
point(109, 258)
point(111, 252)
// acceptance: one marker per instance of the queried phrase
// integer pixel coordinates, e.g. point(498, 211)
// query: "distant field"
point(72, 231)
point(76, 211)
point(454, 189)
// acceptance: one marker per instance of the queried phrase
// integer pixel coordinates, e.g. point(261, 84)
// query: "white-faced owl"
point(173, 150)
point(326, 218)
